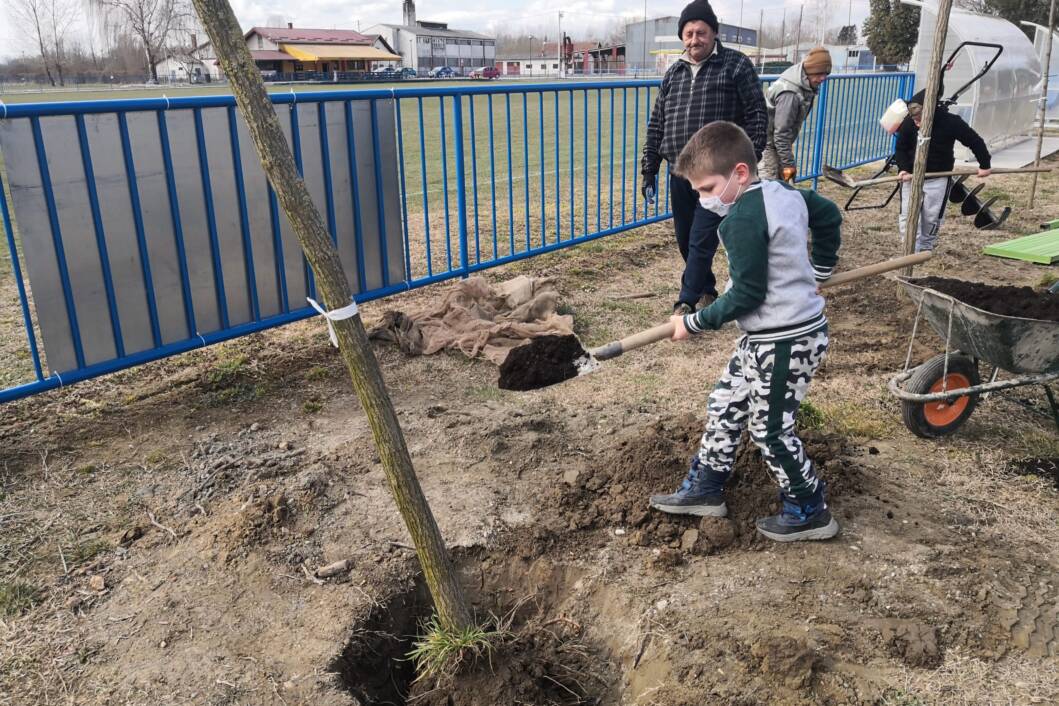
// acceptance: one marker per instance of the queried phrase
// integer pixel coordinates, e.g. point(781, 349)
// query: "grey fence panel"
point(293, 259)
point(28, 200)
point(372, 221)
point(342, 184)
point(193, 217)
point(226, 213)
point(119, 230)
point(145, 140)
point(259, 217)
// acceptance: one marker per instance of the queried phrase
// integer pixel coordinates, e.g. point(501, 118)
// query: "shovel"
point(836, 175)
point(534, 366)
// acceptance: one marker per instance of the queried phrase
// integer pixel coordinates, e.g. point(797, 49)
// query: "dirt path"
point(157, 526)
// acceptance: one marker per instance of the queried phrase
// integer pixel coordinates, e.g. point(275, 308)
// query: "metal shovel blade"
point(836, 175)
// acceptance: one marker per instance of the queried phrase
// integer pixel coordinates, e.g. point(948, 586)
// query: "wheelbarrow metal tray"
point(1009, 342)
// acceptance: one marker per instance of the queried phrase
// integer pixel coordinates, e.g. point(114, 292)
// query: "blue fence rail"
point(487, 175)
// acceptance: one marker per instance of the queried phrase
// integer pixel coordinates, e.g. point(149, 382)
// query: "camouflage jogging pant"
point(760, 391)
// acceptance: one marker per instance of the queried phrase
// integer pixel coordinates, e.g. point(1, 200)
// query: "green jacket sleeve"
point(825, 225)
point(747, 243)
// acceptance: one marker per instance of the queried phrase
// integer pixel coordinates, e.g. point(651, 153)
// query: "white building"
point(427, 45)
point(528, 66)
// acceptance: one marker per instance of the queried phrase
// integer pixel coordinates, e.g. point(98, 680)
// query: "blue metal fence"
point(459, 152)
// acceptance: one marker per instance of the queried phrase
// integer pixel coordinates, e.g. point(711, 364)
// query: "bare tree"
point(47, 23)
point(217, 17)
point(61, 16)
point(154, 23)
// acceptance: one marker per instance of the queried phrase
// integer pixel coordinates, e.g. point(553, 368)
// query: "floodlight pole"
point(930, 102)
point(1042, 109)
point(760, 26)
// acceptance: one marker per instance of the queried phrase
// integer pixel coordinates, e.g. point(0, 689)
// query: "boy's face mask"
point(717, 204)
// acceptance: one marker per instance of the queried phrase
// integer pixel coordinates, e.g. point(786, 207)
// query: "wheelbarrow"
point(938, 396)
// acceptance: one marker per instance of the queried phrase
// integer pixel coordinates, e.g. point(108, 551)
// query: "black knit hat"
point(697, 10)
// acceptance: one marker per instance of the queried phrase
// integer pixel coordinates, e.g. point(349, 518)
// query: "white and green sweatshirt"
point(772, 276)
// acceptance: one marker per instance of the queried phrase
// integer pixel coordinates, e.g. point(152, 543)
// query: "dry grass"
point(963, 680)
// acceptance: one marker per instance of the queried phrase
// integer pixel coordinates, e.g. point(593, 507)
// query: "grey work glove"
point(649, 187)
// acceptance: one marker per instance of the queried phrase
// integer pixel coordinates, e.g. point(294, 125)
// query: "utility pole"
point(760, 24)
point(739, 33)
point(1043, 108)
point(783, 34)
point(559, 44)
point(645, 35)
point(798, 35)
point(930, 102)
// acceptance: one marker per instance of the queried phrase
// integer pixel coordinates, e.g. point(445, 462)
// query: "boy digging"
point(772, 295)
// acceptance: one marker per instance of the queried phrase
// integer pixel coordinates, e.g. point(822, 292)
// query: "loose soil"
point(1043, 467)
point(545, 360)
point(160, 527)
point(1024, 302)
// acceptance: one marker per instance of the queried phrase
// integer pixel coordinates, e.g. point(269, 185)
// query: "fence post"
point(461, 186)
point(818, 135)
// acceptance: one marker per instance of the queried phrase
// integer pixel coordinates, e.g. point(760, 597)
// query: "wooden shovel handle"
point(664, 331)
point(877, 269)
point(956, 172)
point(636, 340)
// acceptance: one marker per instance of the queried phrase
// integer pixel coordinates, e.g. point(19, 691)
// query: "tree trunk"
point(44, 54)
point(151, 61)
point(930, 102)
point(276, 158)
point(1042, 110)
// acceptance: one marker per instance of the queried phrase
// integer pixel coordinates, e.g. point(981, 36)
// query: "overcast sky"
point(580, 18)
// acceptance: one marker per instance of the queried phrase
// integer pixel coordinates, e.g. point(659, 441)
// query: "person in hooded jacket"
point(789, 100)
point(945, 132)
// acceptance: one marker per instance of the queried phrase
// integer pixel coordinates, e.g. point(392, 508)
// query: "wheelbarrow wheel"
point(933, 419)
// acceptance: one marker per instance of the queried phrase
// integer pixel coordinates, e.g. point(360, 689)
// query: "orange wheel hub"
point(942, 413)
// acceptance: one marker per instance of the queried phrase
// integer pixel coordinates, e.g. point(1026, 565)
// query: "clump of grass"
point(1047, 280)
point(227, 371)
point(317, 372)
point(312, 406)
point(809, 416)
point(862, 421)
point(485, 393)
point(84, 552)
point(440, 652)
point(17, 597)
point(900, 697)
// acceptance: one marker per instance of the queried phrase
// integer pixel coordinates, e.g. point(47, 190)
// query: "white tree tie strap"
point(346, 312)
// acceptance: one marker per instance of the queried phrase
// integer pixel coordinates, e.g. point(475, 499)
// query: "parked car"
point(486, 72)
point(388, 73)
point(408, 72)
point(442, 72)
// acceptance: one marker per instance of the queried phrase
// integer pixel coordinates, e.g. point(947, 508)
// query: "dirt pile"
point(647, 460)
point(1006, 301)
point(543, 361)
point(1042, 467)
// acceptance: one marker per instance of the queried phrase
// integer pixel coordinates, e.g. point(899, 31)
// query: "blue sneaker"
point(701, 493)
point(800, 520)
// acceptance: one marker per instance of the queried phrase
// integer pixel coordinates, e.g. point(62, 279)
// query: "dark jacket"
point(725, 88)
point(947, 130)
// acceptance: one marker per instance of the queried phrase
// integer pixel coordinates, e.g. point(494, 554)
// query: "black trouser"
point(696, 230)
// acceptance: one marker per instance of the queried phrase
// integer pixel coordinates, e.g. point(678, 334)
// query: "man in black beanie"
point(709, 82)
